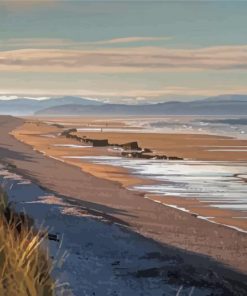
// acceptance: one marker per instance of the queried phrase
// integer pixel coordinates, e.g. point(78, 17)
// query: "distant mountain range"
point(24, 106)
point(221, 105)
point(72, 106)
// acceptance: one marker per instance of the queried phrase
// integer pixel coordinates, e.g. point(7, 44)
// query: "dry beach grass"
point(25, 266)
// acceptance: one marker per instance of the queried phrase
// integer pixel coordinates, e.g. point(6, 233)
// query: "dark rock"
point(69, 131)
point(147, 150)
point(53, 237)
point(131, 146)
point(99, 143)
point(175, 158)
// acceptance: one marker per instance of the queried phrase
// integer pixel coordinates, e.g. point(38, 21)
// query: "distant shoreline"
point(196, 146)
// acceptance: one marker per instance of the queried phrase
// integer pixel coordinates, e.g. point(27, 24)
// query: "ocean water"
point(222, 184)
point(111, 129)
point(72, 146)
point(222, 126)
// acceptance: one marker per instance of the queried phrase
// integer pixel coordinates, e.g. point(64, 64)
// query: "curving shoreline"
point(163, 224)
point(103, 163)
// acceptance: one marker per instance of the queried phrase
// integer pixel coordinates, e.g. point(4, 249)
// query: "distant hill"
point(227, 98)
point(71, 105)
point(24, 106)
point(221, 105)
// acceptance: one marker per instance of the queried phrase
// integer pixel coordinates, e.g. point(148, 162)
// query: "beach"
point(205, 164)
point(101, 251)
point(202, 243)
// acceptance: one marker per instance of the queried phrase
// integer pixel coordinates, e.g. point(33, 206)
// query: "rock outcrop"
point(130, 149)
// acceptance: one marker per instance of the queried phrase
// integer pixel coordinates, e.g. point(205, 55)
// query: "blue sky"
point(123, 50)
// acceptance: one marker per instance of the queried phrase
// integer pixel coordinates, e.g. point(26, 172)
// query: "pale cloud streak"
point(122, 95)
point(129, 40)
point(56, 43)
point(124, 60)
point(21, 43)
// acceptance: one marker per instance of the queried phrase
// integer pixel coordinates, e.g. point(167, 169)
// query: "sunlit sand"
point(209, 182)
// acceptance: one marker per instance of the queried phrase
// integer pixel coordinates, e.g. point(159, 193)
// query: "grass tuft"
point(25, 266)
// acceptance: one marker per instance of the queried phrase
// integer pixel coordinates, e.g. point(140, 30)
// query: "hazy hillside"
point(23, 106)
point(69, 105)
point(222, 105)
point(226, 98)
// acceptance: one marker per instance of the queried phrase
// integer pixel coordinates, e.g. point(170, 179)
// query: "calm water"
point(219, 183)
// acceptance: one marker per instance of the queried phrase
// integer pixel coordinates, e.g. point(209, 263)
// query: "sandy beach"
point(43, 137)
point(221, 245)
point(103, 246)
point(190, 146)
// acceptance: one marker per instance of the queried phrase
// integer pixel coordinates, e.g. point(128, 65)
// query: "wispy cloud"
point(49, 43)
point(27, 43)
point(129, 40)
point(125, 60)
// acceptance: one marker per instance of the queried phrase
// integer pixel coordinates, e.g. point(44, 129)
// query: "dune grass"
point(25, 266)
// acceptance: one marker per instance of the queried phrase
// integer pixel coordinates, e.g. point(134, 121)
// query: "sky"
point(123, 51)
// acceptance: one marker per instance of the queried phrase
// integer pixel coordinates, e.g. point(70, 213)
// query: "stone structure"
point(131, 149)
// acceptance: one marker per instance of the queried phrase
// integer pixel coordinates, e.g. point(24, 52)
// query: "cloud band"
point(124, 60)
